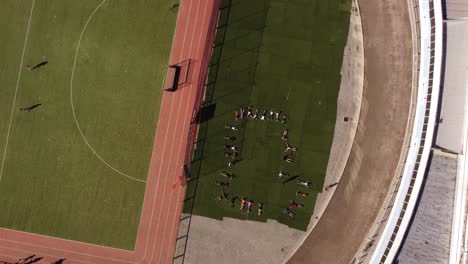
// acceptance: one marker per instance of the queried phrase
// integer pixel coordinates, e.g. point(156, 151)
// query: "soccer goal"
point(177, 75)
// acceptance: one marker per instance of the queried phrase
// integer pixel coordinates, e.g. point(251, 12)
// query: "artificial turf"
point(272, 54)
point(51, 183)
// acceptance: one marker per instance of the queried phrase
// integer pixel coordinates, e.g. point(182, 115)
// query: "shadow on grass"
point(234, 59)
point(290, 179)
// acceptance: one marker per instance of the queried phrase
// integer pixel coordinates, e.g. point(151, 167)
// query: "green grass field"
point(269, 54)
point(51, 181)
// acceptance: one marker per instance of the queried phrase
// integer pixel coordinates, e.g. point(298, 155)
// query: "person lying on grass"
point(306, 184)
point(293, 204)
point(282, 174)
point(284, 119)
point(232, 156)
point(289, 213)
point(229, 127)
point(222, 184)
point(285, 135)
point(228, 175)
point(301, 194)
point(288, 159)
point(289, 148)
point(255, 116)
point(233, 148)
point(223, 196)
point(272, 114)
point(242, 205)
point(249, 206)
point(228, 138)
point(260, 209)
point(277, 116)
point(249, 111)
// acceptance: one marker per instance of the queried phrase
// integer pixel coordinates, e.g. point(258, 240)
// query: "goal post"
point(177, 75)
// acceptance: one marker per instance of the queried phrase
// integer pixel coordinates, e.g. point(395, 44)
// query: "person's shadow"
point(39, 65)
point(290, 179)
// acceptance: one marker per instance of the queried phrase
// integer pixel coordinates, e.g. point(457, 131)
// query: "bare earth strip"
point(379, 139)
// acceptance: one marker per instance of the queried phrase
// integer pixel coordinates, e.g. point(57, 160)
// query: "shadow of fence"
point(230, 75)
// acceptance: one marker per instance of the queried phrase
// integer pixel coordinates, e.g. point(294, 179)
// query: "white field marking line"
point(73, 106)
point(55, 238)
point(66, 251)
point(168, 171)
point(164, 148)
point(187, 108)
point(16, 90)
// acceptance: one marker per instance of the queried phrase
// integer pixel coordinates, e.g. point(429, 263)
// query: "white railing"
point(457, 246)
point(396, 224)
point(459, 237)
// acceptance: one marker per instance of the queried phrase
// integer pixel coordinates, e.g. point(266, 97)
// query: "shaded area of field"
point(271, 54)
point(51, 182)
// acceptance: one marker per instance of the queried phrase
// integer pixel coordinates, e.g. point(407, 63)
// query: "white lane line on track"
point(174, 169)
point(67, 251)
point(153, 159)
point(164, 149)
point(16, 90)
point(73, 106)
point(174, 226)
point(187, 108)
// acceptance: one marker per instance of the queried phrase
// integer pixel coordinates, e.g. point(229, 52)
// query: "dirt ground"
point(379, 139)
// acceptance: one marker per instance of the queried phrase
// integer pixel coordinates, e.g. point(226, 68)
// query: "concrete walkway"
point(428, 239)
point(234, 241)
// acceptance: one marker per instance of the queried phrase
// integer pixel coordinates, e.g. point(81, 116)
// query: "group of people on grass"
point(250, 203)
point(231, 152)
point(248, 112)
point(292, 205)
point(289, 158)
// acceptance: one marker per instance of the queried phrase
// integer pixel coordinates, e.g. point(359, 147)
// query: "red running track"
point(162, 206)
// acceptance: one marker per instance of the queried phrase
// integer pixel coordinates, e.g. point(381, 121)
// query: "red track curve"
point(162, 206)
